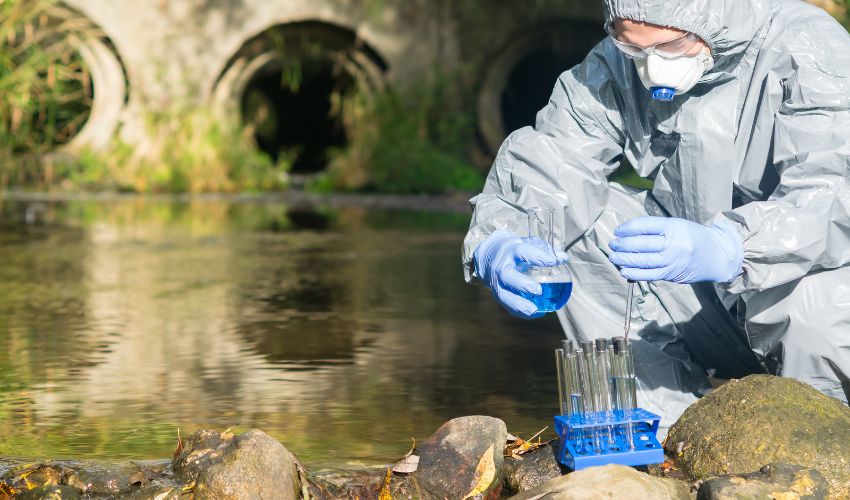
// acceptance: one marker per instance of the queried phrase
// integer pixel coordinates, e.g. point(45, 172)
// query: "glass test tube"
point(612, 391)
point(572, 397)
point(620, 399)
point(589, 391)
point(616, 374)
point(569, 382)
point(587, 366)
point(611, 362)
point(572, 392)
point(630, 374)
point(602, 389)
point(584, 401)
point(559, 373)
point(603, 392)
point(625, 381)
point(576, 400)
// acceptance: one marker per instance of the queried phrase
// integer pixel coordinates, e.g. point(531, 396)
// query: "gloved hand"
point(677, 250)
point(497, 259)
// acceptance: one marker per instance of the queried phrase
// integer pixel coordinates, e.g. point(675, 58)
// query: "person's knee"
point(802, 330)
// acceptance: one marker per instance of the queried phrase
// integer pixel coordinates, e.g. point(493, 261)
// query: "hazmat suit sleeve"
point(805, 225)
point(562, 163)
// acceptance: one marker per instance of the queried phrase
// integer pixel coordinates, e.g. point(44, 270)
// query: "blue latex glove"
point(497, 262)
point(677, 250)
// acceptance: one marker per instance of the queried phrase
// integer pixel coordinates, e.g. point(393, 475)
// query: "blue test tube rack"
point(584, 439)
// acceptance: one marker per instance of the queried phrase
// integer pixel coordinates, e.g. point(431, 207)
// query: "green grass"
point(415, 140)
point(45, 87)
point(47, 95)
point(191, 150)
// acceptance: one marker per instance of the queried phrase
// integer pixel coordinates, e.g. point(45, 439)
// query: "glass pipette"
point(629, 299)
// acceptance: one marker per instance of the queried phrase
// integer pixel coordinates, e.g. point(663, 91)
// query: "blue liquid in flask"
point(555, 296)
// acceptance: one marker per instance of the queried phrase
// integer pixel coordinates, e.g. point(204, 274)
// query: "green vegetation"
point(413, 141)
point(47, 95)
point(417, 140)
point(45, 87)
point(843, 12)
point(189, 150)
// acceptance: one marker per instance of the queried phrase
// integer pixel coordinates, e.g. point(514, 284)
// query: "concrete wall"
point(173, 52)
point(178, 51)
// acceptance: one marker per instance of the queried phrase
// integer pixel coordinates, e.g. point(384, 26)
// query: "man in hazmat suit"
point(738, 111)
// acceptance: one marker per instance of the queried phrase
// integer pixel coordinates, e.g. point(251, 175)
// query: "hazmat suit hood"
point(729, 27)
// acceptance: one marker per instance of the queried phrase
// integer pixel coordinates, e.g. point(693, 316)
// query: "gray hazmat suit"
point(763, 141)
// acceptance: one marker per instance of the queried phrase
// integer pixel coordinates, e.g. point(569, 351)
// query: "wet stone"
point(342, 483)
point(748, 423)
point(26, 477)
point(463, 456)
point(94, 479)
point(248, 466)
point(155, 492)
point(46, 475)
point(52, 492)
point(534, 469)
point(199, 451)
point(364, 483)
point(781, 481)
point(609, 481)
point(153, 480)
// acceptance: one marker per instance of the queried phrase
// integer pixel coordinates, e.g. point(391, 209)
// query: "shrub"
point(189, 150)
point(415, 140)
point(46, 88)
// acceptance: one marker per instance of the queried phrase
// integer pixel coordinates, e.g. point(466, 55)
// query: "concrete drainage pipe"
point(283, 83)
point(522, 75)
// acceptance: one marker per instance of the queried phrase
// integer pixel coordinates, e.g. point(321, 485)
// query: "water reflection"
point(343, 332)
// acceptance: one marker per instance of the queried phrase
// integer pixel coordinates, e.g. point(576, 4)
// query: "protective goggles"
point(670, 49)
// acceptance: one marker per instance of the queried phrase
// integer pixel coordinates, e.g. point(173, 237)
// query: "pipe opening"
point(54, 101)
point(297, 118)
point(519, 80)
point(96, 92)
point(530, 84)
point(288, 83)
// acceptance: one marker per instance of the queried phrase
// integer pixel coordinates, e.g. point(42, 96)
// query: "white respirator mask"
point(668, 77)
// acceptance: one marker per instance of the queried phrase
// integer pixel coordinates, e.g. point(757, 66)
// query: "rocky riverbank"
point(759, 437)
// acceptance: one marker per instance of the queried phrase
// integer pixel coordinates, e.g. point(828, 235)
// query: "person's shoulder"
point(796, 23)
point(804, 36)
point(789, 13)
point(605, 63)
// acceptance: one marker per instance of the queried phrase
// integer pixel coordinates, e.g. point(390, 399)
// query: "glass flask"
point(556, 281)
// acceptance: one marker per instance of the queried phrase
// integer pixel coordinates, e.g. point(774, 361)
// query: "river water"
point(342, 332)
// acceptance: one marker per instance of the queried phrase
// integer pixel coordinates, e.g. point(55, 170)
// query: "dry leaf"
point(6, 491)
point(407, 464)
point(179, 444)
point(521, 447)
point(385, 488)
point(163, 495)
point(412, 447)
point(668, 466)
point(484, 474)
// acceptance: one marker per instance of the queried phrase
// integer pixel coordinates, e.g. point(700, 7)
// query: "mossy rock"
point(234, 467)
point(748, 423)
point(778, 481)
point(608, 482)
